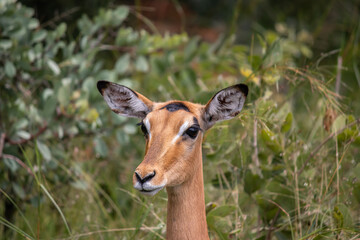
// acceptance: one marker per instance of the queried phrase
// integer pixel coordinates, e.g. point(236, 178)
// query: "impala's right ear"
point(225, 104)
point(124, 101)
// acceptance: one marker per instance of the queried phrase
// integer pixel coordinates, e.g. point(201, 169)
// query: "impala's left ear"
point(225, 104)
point(124, 101)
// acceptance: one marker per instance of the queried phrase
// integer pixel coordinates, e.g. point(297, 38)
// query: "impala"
point(174, 132)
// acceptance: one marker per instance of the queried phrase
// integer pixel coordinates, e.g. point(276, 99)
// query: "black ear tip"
point(243, 88)
point(101, 85)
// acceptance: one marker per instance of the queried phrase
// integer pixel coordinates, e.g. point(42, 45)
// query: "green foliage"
point(252, 182)
point(67, 161)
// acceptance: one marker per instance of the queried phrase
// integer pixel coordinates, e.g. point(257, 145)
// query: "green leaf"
point(89, 85)
point(252, 182)
point(222, 211)
point(122, 64)
point(255, 61)
point(10, 69)
point(220, 226)
point(282, 194)
point(63, 95)
point(306, 51)
point(72, 130)
point(119, 15)
point(270, 140)
point(130, 129)
point(339, 123)
point(80, 184)
point(49, 107)
point(126, 36)
point(100, 147)
point(60, 30)
point(121, 137)
point(267, 210)
point(44, 150)
point(36, 201)
point(91, 115)
point(141, 64)
point(286, 126)
point(21, 124)
point(11, 164)
point(39, 36)
point(85, 24)
point(33, 23)
point(190, 49)
point(19, 191)
point(23, 134)
point(356, 192)
point(53, 66)
point(5, 44)
point(274, 53)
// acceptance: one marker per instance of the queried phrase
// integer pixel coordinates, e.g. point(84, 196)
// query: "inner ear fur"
point(124, 101)
point(225, 104)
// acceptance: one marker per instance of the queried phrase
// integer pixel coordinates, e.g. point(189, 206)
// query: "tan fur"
point(181, 165)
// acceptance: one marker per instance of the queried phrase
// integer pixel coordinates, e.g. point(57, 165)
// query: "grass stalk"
point(337, 171)
point(19, 210)
point(14, 228)
point(57, 208)
point(297, 200)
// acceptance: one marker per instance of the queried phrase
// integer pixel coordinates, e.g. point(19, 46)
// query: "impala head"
point(173, 131)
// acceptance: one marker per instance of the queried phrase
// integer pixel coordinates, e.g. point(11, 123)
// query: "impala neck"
point(186, 218)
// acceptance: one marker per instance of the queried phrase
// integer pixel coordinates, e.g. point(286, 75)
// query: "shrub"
point(67, 161)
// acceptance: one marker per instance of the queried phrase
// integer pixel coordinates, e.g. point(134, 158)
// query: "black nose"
point(146, 178)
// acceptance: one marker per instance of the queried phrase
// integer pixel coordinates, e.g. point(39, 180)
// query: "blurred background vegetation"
point(287, 168)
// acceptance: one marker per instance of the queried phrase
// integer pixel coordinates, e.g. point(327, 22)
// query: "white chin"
point(152, 192)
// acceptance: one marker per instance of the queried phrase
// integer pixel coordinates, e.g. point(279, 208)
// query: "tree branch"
point(21, 163)
point(269, 233)
point(22, 141)
point(256, 151)
point(338, 75)
point(2, 140)
point(60, 17)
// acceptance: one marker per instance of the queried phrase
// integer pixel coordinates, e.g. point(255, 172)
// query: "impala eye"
point(143, 128)
point(192, 131)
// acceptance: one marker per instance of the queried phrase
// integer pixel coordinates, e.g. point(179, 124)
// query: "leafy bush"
point(66, 160)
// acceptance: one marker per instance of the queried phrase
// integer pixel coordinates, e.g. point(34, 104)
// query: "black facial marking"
point(143, 113)
point(243, 88)
point(143, 129)
point(196, 122)
point(172, 107)
point(101, 85)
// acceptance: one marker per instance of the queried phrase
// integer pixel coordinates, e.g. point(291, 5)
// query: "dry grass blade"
point(57, 207)
point(313, 153)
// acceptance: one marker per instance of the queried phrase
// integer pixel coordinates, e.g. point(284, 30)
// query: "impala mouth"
point(148, 188)
point(151, 192)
